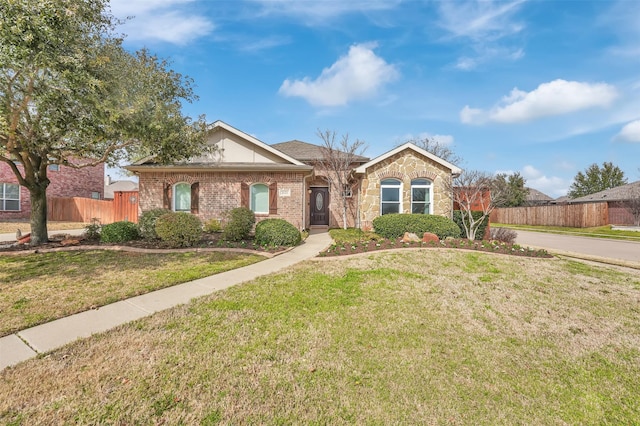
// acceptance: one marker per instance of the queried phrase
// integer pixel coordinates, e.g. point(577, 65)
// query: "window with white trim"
point(421, 195)
point(9, 197)
point(182, 197)
point(390, 196)
point(259, 198)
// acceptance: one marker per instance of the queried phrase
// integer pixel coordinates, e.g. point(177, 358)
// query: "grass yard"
point(25, 227)
point(422, 337)
point(598, 231)
point(37, 288)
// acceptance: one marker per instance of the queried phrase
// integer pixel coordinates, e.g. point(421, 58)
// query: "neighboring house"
point(111, 186)
point(15, 201)
point(617, 199)
point(285, 181)
point(537, 198)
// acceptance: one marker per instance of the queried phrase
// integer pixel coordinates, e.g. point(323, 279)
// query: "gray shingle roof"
point(305, 152)
point(535, 195)
point(618, 193)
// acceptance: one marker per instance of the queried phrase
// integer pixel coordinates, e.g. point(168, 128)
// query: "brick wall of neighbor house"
point(220, 192)
point(66, 182)
point(405, 166)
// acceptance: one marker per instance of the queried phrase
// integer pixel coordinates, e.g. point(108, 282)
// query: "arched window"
point(390, 196)
point(421, 194)
point(182, 197)
point(259, 198)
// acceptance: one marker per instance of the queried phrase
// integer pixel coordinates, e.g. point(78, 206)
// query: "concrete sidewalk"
point(29, 343)
point(11, 237)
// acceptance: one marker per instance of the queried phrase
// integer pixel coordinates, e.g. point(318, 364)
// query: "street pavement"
point(587, 247)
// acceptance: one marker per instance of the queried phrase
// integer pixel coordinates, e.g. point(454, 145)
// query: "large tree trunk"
point(39, 234)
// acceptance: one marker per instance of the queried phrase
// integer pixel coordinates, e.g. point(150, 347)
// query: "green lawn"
point(599, 231)
point(37, 288)
point(423, 337)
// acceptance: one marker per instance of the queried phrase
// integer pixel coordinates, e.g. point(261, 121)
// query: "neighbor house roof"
point(307, 152)
point(619, 193)
point(454, 169)
point(535, 195)
point(119, 185)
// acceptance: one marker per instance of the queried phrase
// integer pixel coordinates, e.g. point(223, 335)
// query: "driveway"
point(627, 251)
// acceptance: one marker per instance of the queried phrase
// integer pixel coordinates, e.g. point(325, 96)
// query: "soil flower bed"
point(347, 248)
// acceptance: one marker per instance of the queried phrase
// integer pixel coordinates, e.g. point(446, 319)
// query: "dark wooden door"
point(319, 206)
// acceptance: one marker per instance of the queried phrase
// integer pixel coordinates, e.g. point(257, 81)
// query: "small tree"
point(512, 186)
point(338, 158)
point(633, 204)
point(596, 179)
point(472, 191)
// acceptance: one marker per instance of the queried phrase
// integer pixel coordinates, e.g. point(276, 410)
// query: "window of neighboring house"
point(390, 196)
point(182, 197)
point(421, 196)
point(259, 201)
point(9, 197)
point(54, 167)
point(95, 195)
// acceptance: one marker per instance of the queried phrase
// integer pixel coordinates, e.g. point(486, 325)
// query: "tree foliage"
point(338, 159)
point(512, 186)
point(70, 94)
point(596, 179)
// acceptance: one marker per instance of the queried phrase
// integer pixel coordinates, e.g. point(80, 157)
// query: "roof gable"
point(454, 169)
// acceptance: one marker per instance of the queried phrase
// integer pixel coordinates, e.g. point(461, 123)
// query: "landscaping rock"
point(410, 237)
point(428, 237)
point(70, 242)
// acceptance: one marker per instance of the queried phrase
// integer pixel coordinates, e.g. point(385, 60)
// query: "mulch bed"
point(387, 244)
point(212, 242)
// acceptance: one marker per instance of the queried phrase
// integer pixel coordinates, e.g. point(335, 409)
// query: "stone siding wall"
point(66, 182)
point(220, 192)
point(405, 166)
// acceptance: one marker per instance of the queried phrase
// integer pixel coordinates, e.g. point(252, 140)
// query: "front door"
point(319, 206)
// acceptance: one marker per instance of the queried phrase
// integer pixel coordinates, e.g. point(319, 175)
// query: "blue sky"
point(544, 88)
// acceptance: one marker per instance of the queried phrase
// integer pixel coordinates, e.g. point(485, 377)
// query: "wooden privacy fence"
point(573, 215)
point(124, 206)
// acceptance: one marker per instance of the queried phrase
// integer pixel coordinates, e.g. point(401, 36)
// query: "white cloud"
point(630, 132)
point(359, 74)
point(318, 12)
point(549, 99)
point(553, 186)
point(163, 20)
point(474, 19)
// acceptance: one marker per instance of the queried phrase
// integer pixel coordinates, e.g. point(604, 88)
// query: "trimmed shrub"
point(396, 224)
point(504, 235)
point(179, 229)
point(147, 223)
point(92, 230)
point(277, 232)
point(212, 225)
point(119, 232)
point(239, 224)
point(457, 218)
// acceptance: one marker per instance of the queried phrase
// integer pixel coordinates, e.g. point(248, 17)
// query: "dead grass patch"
point(37, 288)
point(425, 337)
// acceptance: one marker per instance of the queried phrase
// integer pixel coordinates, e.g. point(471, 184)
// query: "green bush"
point(239, 224)
point(277, 232)
point(179, 229)
point(212, 225)
point(396, 224)
point(92, 230)
point(119, 232)
point(147, 223)
point(457, 218)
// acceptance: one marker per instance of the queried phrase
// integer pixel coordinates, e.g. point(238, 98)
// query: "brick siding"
point(67, 182)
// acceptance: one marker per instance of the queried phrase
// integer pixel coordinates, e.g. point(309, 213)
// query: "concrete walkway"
point(11, 237)
point(29, 343)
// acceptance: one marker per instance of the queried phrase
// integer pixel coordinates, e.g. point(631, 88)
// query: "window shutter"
point(273, 198)
point(195, 198)
point(166, 196)
point(244, 195)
